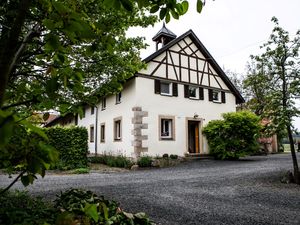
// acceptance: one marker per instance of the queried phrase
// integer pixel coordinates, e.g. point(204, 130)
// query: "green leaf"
point(185, 7)
point(34, 129)
point(163, 13)
point(175, 14)
point(154, 9)
point(127, 4)
point(7, 123)
point(168, 17)
point(49, 24)
point(105, 210)
point(91, 211)
point(199, 6)
point(46, 116)
point(60, 7)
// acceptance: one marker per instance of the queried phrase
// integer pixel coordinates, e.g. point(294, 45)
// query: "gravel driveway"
point(197, 192)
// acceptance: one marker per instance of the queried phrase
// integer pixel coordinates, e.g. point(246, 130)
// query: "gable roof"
point(207, 55)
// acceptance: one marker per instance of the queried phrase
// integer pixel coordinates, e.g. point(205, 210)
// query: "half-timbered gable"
point(185, 60)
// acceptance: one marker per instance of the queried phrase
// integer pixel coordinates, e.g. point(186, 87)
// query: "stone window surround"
point(92, 134)
point(115, 131)
point(168, 117)
point(102, 133)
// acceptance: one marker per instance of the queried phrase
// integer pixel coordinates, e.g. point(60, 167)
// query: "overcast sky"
point(231, 30)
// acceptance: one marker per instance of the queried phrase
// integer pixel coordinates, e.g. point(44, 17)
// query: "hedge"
point(72, 146)
point(26, 148)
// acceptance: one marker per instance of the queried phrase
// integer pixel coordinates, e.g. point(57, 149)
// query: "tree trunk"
point(294, 157)
point(8, 47)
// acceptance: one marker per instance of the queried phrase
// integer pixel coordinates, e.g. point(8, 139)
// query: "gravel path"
point(197, 192)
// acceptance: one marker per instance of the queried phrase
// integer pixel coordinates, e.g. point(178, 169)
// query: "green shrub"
point(119, 161)
point(173, 156)
point(19, 208)
point(112, 161)
point(166, 155)
point(145, 161)
point(86, 207)
point(233, 137)
point(81, 170)
point(73, 206)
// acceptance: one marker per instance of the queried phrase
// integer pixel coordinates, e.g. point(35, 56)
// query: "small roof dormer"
point(163, 36)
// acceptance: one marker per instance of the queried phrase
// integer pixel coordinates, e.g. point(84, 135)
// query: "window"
point(216, 96)
point(83, 112)
point(165, 88)
point(193, 92)
point(103, 104)
point(102, 134)
point(92, 133)
point(76, 119)
point(166, 128)
point(118, 97)
point(92, 110)
point(118, 129)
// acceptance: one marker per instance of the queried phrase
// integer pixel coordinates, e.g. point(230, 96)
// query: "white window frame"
point(196, 92)
point(118, 129)
point(92, 134)
point(102, 132)
point(119, 98)
point(103, 103)
point(218, 94)
point(163, 120)
point(170, 88)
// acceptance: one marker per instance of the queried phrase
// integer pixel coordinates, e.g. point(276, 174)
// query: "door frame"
point(200, 120)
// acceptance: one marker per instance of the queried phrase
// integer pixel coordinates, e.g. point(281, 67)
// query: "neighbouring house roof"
point(206, 54)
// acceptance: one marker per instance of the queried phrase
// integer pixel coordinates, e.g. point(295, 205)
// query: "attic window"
point(165, 88)
point(118, 98)
point(193, 92)
point(217, 96)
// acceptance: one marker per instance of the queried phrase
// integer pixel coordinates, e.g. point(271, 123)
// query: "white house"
point(163, 108)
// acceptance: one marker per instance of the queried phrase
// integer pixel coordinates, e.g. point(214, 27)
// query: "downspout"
point(96, 131)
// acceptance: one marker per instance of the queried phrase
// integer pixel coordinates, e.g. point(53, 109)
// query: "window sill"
point(117, 140)
point(168, 95)
point(218, 102)
point(166, 139)
point(103, 109)
point(118, 103)
point(191, 98)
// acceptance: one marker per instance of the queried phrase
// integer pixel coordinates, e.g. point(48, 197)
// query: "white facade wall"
point(88, 121)
point(107, 116)
point(180, 107)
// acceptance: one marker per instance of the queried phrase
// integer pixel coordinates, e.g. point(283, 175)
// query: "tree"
point(53, 54)
point(275, 83)
point(234, 136)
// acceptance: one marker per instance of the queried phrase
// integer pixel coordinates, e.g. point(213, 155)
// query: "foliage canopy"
point(234, 136)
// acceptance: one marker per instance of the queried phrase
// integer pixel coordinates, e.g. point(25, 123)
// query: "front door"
point(193, 136)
